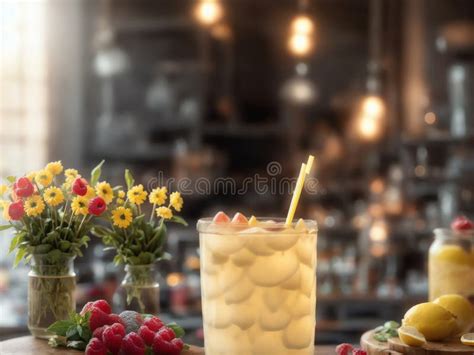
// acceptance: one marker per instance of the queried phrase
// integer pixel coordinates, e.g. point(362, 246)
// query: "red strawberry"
point(239, 218)
point(344, 349)
point(96, 347)
point(97, 333)
point(132, 344)
point(462, 223)
point(98, 318)
point(221, 217)
point(102, 305)
point(154, 323)
point(112, 337)
point(359, 352)
point(87, 308)
point(146, 334)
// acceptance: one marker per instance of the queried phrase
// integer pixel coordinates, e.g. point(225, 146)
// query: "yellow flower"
point(176, 201)
point(71, 173)
point(5, 205)
point(158, 196)
point(44, 178)
point(104, 190)
point(120, 201)
point(34, 205)
point(122, 217)
point(79, 205)
point(90, 193)
point(164, 212)
point(31, 175)
point(121, 194)
point(53, 196)
point(137, 195)
point(3, 189)
point(55, 167)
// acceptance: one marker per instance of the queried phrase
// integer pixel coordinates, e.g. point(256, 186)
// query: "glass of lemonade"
point(258, 285)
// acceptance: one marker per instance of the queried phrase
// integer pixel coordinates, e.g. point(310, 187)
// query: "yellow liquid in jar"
point(451, 270)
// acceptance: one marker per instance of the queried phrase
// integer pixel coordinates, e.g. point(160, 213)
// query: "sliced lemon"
point(468, 339)
point(411, 336)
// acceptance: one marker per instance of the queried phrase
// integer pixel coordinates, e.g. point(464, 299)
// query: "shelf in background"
point(439, 140)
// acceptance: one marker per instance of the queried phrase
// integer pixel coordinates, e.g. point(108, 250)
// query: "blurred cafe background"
point(380, 91)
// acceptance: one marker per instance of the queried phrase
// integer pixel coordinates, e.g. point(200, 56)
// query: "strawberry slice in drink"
point(462, 223)
point(239, 218)
point(221, 217)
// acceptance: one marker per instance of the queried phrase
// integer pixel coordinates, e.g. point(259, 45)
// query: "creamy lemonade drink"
point(258, 285)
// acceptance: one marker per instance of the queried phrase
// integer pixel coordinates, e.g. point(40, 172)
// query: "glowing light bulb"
point(368, 127)
point(378, 232)
point(430, 118)
point(373, 106)
point(302, 25)
point(300, 44)
point(208, 12)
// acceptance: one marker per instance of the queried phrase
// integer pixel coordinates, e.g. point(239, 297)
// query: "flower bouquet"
point(139, 241)
point(51, 214)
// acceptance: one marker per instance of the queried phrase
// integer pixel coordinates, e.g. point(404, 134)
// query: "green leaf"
point(15, 241)
point(129, 179)
point(11, 179)
point(60, 327)
point(179, 220)
point(391, 325)
point(96, 172)
point(19, 255)
point(77, 344)
point(166, 256)
point(5, 227)
point(178, 330)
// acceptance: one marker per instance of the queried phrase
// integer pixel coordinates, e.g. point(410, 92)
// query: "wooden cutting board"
point(395, 346)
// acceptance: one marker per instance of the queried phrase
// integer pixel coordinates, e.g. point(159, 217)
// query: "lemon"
point(411, 336)
point(468, 339)
point(431, 320)
point(461, 308)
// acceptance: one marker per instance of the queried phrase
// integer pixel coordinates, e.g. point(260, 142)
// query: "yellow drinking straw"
point(305, 169)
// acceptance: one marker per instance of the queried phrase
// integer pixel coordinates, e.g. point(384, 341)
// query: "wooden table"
point(32, 346)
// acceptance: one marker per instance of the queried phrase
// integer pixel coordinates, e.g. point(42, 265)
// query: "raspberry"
point(359, 352)
point(97, 319)
point(132, 320)
point(344, 349)
point(103, 306)
point(166, 333)
point(162, 347)
point(462, 223)
point(96, 347)
point(132, 344)
point(146, 334)
point(98, 332)
point(115, 318)
point(178, 343)
point(112, 337)
point(154, 323)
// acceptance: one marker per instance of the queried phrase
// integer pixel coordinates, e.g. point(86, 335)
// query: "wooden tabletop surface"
point(31, 346)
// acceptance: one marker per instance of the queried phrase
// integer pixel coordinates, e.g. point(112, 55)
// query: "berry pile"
point(130, 333)
point(348, 349)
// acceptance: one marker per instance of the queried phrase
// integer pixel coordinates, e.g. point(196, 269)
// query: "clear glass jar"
point(139, 290)
point(51, 287)
point(451, 264)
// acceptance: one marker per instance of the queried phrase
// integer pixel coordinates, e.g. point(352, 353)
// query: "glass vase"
point(139, 290)
point(51, 286)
